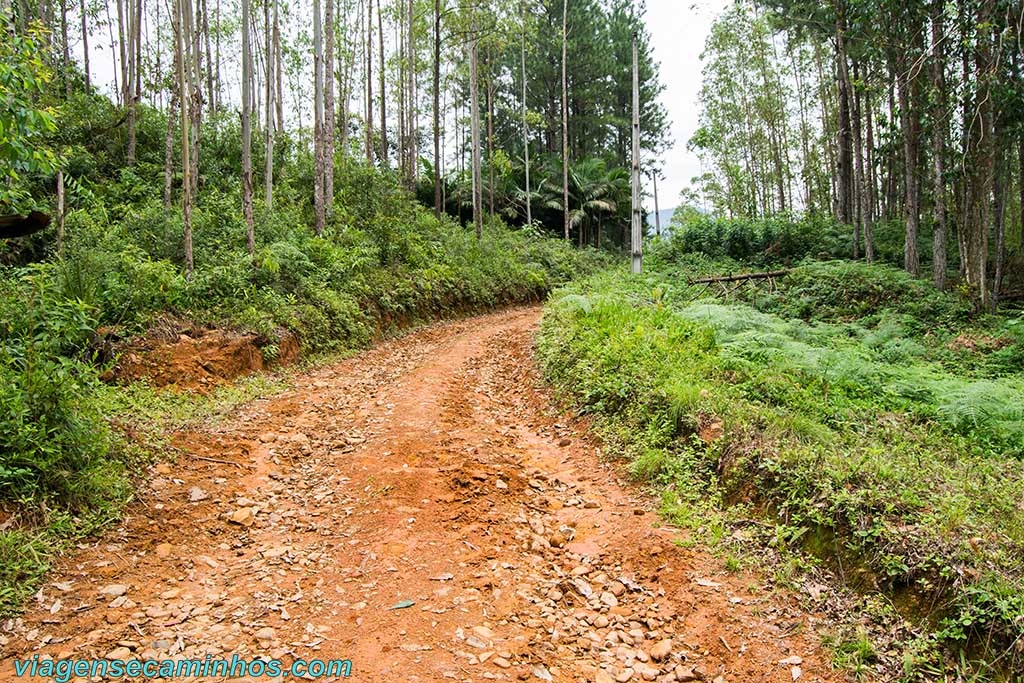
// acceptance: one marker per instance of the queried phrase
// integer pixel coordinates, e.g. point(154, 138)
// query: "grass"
point(869, 418)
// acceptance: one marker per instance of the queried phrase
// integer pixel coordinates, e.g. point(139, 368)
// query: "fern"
point(980, 404)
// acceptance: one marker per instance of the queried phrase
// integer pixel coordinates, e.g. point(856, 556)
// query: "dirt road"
point(429, 470)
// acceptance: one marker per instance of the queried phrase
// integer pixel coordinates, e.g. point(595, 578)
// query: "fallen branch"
point(218, 461)
point(745, 276)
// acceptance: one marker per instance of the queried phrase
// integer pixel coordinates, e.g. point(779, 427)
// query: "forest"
point(917, 123)
point(217, 218)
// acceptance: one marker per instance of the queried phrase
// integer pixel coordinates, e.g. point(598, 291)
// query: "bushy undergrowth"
point(783, 241)
point(382, 263)
point(851, 403)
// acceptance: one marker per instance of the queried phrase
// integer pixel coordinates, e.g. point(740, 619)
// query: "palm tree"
point(595, 195)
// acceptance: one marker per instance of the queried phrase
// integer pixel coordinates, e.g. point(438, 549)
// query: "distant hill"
point(666, 218)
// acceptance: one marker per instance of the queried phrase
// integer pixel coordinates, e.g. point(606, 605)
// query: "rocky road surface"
point(421, 510)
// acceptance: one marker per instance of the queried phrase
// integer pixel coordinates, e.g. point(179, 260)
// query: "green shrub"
point(54, 443)
point(758, 241)
point(851, 290)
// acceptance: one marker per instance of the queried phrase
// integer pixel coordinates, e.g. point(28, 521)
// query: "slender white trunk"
point(184, 87)
point(526, 130)
point(327, 123)
point(565, 123)
point(318, 119)
point(637, 224)
point(247, 190)
point(268, 118)
point(474, 97)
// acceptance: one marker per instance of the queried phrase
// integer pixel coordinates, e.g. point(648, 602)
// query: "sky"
point(678, 30)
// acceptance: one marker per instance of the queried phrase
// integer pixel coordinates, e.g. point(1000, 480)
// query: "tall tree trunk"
point(184, 87)
point(442, 169)
point(871, 171)
point(438, 178)
point(66, 65)
point(979, 161)
point(345, 91)
point(211, 102)
point(846, 189)
point(318, 121)
point(158, 70)
point(474, 97)
point(247, 189)
point(278, 80)
point(490, 138)
point(169, 148)
point(870, 178)
point(216, 56)
point(127, 33)
point(910, 126)
point(526, 130)
point(85, 47)
point(268, 118)
point(137, 88)
point(328, 115)
point(121, 51)
point(859, 176)
point(939, 132)
point(999, 209)
point(565, 123)
point(196, 93)
point(636, 233)
point(1020, 182)
point(830, 154)
point(411, 99)
point(403, 119)
point(383, 89)
point(368, 122)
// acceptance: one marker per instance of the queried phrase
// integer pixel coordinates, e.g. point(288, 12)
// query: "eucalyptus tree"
point(327, 122)
point(319, 163)
point(438, 200)
point(247, 189)
point(883, 146)
point(268, 118)
point(474, 90)
point(565, 122)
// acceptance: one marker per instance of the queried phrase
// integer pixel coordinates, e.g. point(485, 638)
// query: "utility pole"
point(637, 232)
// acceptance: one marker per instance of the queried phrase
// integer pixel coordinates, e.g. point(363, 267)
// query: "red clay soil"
point(431, 469)
point(197, 359)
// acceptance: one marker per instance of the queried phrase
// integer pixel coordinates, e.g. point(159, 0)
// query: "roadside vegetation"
point(846, 414)
point(64, 471)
